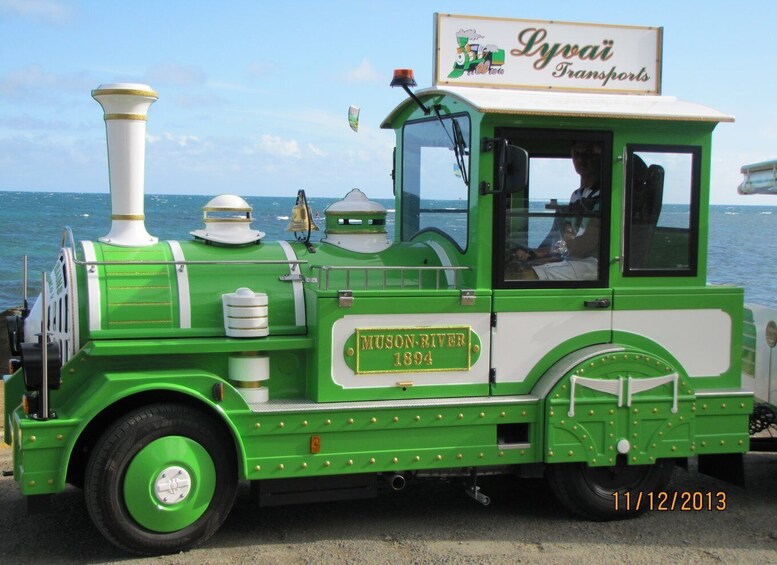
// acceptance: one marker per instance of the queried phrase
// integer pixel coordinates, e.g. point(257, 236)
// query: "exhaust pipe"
point(397, 482)
point(125, 106)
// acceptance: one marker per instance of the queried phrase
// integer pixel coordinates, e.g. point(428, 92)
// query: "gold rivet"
point(655, 410)
point(460, 416)
point(523, 452)
point(674, 448)
point(590, 412)
point(50, 481)
point(704, 444)
point(585, 436)
point(481, 455)
point(395, 419)
point(350, 352)
point(33, 438)
point(741, 404)
point(669, 424)
point(634, 459)
point(523, 412)
point(612, 411)
point(661, 433)
point(439, 416)
point(459, 456)
point(636, 410)
point(439, 458)
point(328, 422)
point(552, 413)
point(395, 460)
point(258, 468)
point(350, 462)
point(501, 454)
point(60, 437)
point(372, 461)
point(281, 425)
point(562, 422)
point(723, 405)
point(636, 423)
point(482, 414)
point(417, 418)
point(257, 425)
point(550, 454)
point(417, 458)
point(723, 442)
point(373, 420)
point(475, 348)
point(350, 420)
point(741, 442)
point(281, 467)
point(32, 483)
point(502, 414)
point(571, 453)
point(327, 463)
point(304, 465)
point(304, 423)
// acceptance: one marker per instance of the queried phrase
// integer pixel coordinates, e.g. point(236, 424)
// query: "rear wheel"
point(607, 493)
point(161, 479)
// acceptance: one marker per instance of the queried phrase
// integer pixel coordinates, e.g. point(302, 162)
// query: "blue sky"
point(253, 95)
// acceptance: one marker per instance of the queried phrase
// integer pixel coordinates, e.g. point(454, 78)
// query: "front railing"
point(361, 276)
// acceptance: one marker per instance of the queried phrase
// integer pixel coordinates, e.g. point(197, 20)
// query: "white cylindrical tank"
point(126, 106)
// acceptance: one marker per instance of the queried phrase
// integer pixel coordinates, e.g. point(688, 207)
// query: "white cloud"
point(316, 151)
point(363, 73)
point(280, 147)
point(31, 81)
point(175, 75)
point(45, 10)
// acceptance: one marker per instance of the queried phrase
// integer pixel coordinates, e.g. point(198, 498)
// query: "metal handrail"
point(325, 270)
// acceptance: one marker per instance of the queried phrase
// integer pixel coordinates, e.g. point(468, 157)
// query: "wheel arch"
point(96, 425)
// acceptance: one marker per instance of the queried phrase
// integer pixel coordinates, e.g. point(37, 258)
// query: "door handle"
point(598, 303)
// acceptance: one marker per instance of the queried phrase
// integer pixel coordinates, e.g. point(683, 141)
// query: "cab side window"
point(662, 210)
point(554, 233)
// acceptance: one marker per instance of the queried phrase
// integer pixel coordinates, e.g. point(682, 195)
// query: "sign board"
point(412, 349)
point(531, 54)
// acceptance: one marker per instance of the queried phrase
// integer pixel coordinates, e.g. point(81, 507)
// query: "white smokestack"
point(125, 106)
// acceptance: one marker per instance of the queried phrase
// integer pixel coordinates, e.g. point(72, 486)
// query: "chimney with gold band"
point(125, 106)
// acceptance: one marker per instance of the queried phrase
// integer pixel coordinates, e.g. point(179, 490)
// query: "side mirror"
point(512, 168)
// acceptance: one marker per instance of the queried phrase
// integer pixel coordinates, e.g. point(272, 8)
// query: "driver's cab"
point(568, 262)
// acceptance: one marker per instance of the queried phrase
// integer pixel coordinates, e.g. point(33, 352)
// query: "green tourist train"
point(540, 309)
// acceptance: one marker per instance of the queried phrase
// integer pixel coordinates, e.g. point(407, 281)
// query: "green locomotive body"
point(312, 369)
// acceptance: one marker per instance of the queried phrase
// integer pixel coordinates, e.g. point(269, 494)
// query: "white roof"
point(543, 103)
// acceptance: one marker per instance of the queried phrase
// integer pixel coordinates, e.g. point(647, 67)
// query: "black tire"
point(209, 496)
point(589, 492)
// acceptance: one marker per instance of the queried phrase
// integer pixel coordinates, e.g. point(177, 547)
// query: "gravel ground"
point(429, 521)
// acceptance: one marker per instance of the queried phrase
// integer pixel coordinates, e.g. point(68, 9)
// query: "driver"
point(569, 252)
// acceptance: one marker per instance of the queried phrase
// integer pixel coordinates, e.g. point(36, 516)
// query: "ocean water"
point(742, 242)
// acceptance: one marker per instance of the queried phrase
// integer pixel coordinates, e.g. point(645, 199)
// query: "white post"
point(125, 106)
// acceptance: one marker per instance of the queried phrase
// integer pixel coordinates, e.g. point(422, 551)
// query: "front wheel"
point(607, 493)
point(161, 479)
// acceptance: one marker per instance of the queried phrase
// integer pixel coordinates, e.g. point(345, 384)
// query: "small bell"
point(300, 216)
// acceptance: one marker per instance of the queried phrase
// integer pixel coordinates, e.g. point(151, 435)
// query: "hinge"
point(467, 297)
point(492, 375)
point(345, 298)
point(493, 319)
point(487, 144)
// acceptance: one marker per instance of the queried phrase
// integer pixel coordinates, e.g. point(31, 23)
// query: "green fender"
point(609, 400)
